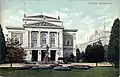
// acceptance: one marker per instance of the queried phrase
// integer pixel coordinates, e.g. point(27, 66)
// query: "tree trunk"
point(10, 64)
point(96, 63)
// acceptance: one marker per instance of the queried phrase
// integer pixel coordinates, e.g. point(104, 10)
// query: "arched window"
point(34, 38)
point(68, 42)
point(17, 37)
point(43, 38)
point(52, 39)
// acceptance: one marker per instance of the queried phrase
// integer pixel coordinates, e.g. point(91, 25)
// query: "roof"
point(31, 19)
point(71, 30)
point(17, 28)
point(41, 16)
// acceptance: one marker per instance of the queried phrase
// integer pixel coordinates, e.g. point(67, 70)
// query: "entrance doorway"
point(34, 55)
point(42, 54)
point(53, 55)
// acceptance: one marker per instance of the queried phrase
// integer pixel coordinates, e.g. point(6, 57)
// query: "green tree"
point(15, 53)
point(77, 55)
point(2, 46)
point(106, 50)
point(98, 52)
point(72, 57)
point(113, 47)
point(88, 53)
point(95, 52)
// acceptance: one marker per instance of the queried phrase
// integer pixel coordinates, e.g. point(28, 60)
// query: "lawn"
point(94, 72)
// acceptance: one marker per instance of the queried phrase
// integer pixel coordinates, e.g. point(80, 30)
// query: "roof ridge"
point(41, 16)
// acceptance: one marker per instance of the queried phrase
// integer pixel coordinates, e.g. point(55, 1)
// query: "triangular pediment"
point(42, 24)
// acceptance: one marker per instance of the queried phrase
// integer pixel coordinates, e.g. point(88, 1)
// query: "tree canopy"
point(94, 52)
point(77, 55)
point(15, 53)
point(113, 47)
point(2, 46)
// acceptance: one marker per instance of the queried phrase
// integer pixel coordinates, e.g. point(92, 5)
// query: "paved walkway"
point(90, 64)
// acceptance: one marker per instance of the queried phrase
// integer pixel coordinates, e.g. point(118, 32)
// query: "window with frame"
point(52, 39)
point(69, 41)
point(43, 38)
point(17, 37)
point(34, 35)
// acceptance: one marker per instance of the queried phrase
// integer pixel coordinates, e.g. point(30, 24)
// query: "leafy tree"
point(113, 47)
point(72, 57)
point(88, 53)
point(77, 55)
point(95, 52)
point(98, 52)
point(106, 51)
point(82, 56)
point(2, 46)
point(15, 53)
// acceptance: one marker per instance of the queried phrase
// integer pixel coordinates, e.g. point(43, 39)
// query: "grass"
point(94, 72)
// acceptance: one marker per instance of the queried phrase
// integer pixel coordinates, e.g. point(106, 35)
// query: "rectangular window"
point(52, 40)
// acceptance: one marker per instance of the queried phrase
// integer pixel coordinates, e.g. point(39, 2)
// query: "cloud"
point(65, 9)
point(104, 9)
point(78, 14)
point(101, 17)
point(68, 23)
point(62, 15)
point(87, 21)
point(12, 18)
point(21, 12)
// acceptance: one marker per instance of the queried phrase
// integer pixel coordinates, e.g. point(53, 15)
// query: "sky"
point(84, 15)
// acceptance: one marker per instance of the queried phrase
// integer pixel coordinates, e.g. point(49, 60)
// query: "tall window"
point(68, 40)
point(43, 38)
point(34, 35)
point(52, 39)
point(18, 37)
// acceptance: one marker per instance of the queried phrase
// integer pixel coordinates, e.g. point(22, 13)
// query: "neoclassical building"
point(41, 31)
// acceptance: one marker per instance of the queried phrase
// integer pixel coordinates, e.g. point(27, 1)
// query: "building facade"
point(39, 33)
point(102, 35)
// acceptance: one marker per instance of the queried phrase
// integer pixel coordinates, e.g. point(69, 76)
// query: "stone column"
point(48, 38)
point(74, 43)
point(39, 55)
point(30, 39)
point(38, 42)
point(56, 40)
point(48, 42)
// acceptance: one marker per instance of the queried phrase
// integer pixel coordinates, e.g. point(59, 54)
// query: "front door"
point(52, 55)
point(34, 55)
point(42, 55)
